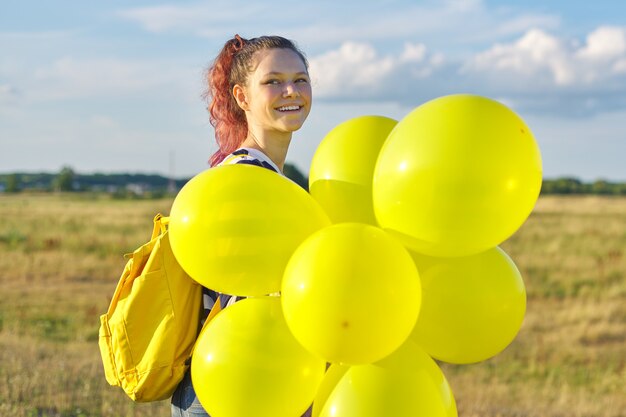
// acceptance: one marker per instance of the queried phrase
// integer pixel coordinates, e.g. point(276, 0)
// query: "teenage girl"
point(259, 93)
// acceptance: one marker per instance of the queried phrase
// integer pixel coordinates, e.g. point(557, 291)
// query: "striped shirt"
point(247, 156)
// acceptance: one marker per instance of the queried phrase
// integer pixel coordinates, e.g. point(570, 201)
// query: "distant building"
point(138, 188)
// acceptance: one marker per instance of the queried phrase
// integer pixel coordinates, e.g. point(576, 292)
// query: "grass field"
point(60, 258)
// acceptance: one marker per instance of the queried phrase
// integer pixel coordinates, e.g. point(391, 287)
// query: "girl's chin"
point(291, 127)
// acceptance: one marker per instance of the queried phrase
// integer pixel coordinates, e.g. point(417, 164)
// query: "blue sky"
point(115, 86)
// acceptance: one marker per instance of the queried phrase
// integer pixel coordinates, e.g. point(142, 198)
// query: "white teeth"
point(287, 108)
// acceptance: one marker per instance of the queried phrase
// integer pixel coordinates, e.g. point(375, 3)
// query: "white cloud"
point(352, 67)
point(7, 92)
point(37, 36)
point(546, 61)
point(413, 52)
point(355, 70)
point(161, 18)
point(75, 78)
point(604, 43)
point(459, 21)
point(504, 25)
point(174, 17)
point(538, 71)
point(70, 78)
point(620, 66)
point(463, 5)
point(535, 54)
point(101, 121)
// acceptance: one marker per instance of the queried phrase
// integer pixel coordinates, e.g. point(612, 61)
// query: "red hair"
point(232, 66)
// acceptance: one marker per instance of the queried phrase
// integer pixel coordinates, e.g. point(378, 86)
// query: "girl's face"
point(277, 95)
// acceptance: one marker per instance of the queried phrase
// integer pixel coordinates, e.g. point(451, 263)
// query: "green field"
point(61, 256)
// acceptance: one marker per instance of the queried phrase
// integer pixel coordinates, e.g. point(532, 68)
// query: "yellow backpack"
point(149, 331)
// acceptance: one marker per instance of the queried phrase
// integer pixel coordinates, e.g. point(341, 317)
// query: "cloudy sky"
point(115, 86)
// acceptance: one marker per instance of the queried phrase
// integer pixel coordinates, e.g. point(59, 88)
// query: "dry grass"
point(61, 256)
point(569, 358)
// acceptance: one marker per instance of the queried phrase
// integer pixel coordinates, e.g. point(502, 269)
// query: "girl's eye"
point(272, 82)
point(302, 80)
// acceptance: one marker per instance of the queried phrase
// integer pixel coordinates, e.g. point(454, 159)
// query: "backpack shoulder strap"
point(160, 225)
point(217, 307)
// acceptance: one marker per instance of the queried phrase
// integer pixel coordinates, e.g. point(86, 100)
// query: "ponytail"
point(232, 66)
point(226, 117)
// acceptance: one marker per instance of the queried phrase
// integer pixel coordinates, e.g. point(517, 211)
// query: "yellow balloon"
point(351, 293)
point(340, 178)
point(406, 384)
point(457, 176)
point(333, 375)
point(234, 227)
point(247, 363)
point(473, 306)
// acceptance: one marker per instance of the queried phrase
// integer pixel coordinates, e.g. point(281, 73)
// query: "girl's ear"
point(240, 97)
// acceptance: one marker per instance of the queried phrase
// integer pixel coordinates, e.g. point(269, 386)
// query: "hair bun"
point(238, 43)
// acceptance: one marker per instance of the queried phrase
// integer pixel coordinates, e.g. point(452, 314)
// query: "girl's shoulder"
point(250, 157)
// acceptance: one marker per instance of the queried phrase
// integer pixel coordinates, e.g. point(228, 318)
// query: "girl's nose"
point(290, 90)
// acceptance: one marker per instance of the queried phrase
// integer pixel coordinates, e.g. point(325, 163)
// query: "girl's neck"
point(274, 147)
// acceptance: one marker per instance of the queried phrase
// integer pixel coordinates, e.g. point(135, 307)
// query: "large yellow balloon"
point(234, 227)
point(351, 293)
point(340, 178)
point(457, 176)
point(473, 307)
point(406, 384)
point(332, 377)
point(247, 363)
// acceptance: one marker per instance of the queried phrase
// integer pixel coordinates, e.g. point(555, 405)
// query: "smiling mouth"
point(289, 108)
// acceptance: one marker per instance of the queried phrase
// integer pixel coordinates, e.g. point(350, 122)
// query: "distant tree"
point(575, 186)
point(13, 183)
point(563, 186)
point(293, 173)
point(620, 188)
point(64, 181)
point(603, 188)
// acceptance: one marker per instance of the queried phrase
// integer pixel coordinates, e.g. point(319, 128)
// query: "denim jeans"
point(185, 402)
